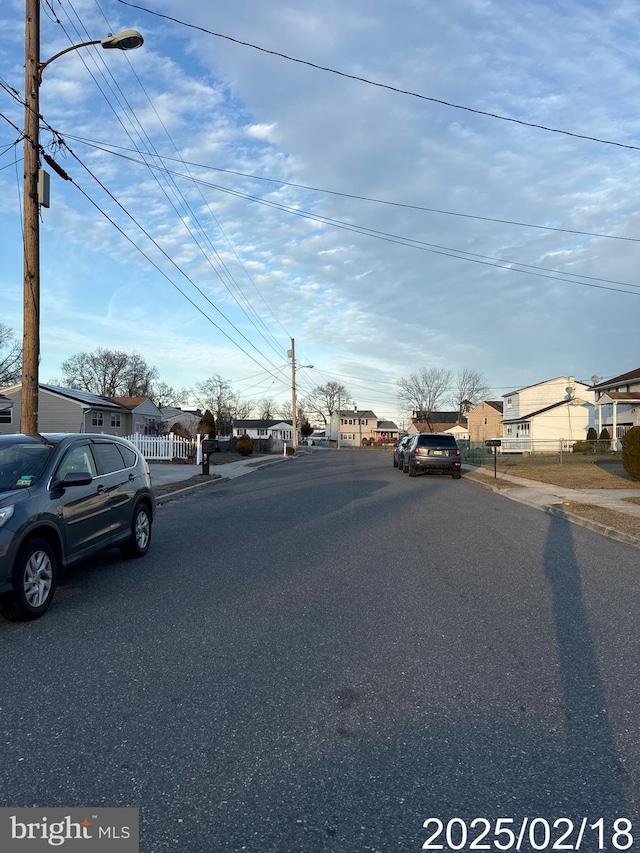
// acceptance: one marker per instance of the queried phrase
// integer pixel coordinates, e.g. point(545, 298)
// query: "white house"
point(618, 404)
point(279, 431)
point(548, 416)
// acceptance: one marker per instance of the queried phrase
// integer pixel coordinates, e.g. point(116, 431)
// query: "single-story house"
point(145, 417)
point(262, 428)
point(67, 410)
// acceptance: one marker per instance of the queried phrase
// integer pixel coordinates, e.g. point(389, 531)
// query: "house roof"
point(85, 398)
point(386, 426)
point(129, 402)
point(623, 396)
point(364, 413)
point(260, 423)
point(498, 405)
point(438, 427)
point(571, 379)
point(631, 376)
point(573, 402)
point(420, 416)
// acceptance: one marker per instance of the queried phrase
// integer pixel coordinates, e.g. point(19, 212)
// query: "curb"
point(595, 526)
point(163, 499)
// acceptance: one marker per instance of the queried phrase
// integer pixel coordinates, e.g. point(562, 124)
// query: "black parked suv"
point(62, 499)
point(433, 451)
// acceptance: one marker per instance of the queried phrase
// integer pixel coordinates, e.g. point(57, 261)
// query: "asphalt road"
point(323, 655)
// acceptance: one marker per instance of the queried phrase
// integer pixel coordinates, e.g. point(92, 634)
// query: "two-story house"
point(617, 404)
point(485, 421)
point(349, 427)
point(547, 416)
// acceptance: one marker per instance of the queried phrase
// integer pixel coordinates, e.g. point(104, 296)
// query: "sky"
point(225, 199)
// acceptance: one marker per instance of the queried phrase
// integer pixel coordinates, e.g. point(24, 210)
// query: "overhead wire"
point(243, 303)
point(380, 85)
point(460, 254)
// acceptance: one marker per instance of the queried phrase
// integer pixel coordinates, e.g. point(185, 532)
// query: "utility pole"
point(294, 402)
point(31, 213)
point(33, 68)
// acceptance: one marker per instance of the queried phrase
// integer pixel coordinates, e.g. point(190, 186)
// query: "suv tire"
point(140, 540)
point(34, 581)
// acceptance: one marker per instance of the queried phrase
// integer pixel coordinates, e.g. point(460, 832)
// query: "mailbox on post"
point(207, 446)
point(495, 443)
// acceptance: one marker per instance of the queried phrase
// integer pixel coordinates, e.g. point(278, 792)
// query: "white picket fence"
point(164, 447)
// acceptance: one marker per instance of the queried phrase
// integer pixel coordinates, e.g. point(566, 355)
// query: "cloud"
point(199, 110)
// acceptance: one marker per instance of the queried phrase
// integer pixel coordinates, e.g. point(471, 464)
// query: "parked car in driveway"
point(398, 451)
point(433, 451)
point(62, 499)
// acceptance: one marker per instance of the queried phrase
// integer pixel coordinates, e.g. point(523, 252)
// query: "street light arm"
point(126, 40)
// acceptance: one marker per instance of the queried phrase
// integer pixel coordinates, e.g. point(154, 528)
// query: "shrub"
point(582, 447)
point(592, 435)
point(604, 442)
point(631, 453)
point(244, 445)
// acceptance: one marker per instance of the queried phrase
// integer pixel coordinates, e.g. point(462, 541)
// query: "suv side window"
point(77, 459)
point(128, 455)
point(108, 457)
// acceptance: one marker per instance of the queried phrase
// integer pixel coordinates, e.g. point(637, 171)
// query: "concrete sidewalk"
point(166, 472)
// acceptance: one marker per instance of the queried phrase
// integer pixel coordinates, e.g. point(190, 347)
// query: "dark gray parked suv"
point(62, 499)
point(433, 451)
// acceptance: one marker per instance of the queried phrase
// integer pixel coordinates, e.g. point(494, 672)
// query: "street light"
point(127, 40)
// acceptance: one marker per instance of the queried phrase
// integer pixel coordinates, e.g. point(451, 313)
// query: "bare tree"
point(284, 411)
point(323, 400)
point(10, 357)
point(265, 408)
point(469, 388)
point(217, 395)
point(425, 390)
point(165, 395)
point(109, 373)
point(241, 408)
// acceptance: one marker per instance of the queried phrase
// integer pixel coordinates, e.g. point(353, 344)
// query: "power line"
point(383, 85)
point(434, 248)
point(110, 148)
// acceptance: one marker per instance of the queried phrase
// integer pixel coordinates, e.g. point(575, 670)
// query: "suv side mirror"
point(74, 478)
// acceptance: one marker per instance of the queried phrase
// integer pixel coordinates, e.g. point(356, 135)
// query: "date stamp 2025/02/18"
point(528, 834)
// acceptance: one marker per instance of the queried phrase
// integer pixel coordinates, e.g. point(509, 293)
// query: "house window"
point(5, 416)
point(97, 419)
point(523, 429)
point(509, 430)
point(262, 432)
point(115, 420)
point(509, 401)
point(486, 421)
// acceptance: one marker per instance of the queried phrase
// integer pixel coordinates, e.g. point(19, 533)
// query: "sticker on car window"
point(25, 480)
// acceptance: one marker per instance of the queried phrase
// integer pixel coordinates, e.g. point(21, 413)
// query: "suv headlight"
point(5, 513)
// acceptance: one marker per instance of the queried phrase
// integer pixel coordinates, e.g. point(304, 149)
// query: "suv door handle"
point(101, 489)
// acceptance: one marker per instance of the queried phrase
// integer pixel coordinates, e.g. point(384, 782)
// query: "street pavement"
point(543, 496)
point(330, 657)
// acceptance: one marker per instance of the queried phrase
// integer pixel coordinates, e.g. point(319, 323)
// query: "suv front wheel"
point(34, 582)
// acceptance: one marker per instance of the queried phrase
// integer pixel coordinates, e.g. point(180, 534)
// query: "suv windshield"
point(22, 464)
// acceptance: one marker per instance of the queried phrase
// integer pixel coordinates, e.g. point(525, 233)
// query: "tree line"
point(114, 373)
